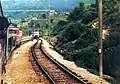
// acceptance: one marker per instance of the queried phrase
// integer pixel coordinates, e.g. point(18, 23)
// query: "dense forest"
point(78, 41)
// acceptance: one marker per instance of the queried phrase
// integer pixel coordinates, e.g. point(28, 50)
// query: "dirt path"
point(19, 69)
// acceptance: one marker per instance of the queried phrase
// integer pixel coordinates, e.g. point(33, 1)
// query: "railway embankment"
point(19, 69)
point(94, 79)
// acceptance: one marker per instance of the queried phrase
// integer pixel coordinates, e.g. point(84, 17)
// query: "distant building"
point(34, 32)
point(34, 18)
point(53, 12)
point(27, 19)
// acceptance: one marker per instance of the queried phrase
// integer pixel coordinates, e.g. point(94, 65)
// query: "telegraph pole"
point(66, 3)
point(100, 39)
point(33, 27)
point(7, 42)
point(49, 20)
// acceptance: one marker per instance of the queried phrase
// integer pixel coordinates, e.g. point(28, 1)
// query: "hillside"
point(59, 5)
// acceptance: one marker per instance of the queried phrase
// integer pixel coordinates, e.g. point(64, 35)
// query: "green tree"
point(90, 14)
point(84, 14)
point(111, 12)
point(59, 27)
point(44, 16)
point(77, 13)
point(31, 23)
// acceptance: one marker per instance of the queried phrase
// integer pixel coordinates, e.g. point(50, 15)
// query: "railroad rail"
point(56, 73)
point(42, 76)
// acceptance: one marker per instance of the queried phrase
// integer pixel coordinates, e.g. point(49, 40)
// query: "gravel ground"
point(94, 79)
point(19, 69)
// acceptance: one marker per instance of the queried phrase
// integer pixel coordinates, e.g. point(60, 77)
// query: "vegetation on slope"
point(77, 39)
point(79, 42)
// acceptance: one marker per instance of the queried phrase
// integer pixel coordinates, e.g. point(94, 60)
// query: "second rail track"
point(56, 73)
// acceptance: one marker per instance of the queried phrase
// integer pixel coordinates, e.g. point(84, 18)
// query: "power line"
point(49, 18)
point(26, 10)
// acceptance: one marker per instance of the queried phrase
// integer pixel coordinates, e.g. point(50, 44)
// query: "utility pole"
point(33, 28)
point(66, 1)
point(49, 20)
point(7, 42)
point(100, 39)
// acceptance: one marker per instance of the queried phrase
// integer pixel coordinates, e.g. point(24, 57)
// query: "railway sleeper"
point(60, 77)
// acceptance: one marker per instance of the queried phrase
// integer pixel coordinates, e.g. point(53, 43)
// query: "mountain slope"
point(42, 4)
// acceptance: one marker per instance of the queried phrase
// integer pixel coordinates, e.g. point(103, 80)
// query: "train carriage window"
point(36, 30)
point(12, 31)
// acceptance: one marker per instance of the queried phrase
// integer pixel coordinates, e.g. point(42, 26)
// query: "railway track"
point(42, 77)
point(56, 73)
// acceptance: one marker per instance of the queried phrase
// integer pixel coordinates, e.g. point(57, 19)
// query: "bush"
point(53, 41)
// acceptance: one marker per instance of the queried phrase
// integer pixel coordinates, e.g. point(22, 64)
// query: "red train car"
point(14, 36)
point(15, 32)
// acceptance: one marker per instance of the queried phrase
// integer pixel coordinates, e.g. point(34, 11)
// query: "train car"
point(20, 34)
point(4, 24)
point(14, 36)
point(15, 32)
point(35, 33)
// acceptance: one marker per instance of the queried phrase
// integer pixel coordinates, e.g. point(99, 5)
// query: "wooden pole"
point(100, 38)
point(49, 22)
